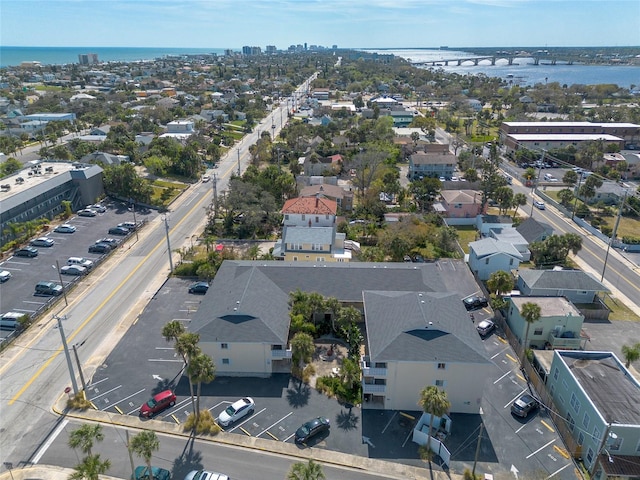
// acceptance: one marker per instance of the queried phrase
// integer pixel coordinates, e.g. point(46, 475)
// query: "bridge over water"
point(537, 60)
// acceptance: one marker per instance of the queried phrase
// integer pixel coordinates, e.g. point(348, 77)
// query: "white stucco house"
point(490, 255)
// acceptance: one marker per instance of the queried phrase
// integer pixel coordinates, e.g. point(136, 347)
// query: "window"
point(565, 384)
point(555, 373)
point(296, 246)
point(224, 346)
point(615, 443)
point(319, 259)
point(589, 456)
point(511, 261)
point(295, 259)
point(561, 399)
point(303, 216)
point(586, 419)
point(441, 366)
point(486, 261)
point(538, 331)
point(439, 383)
point(571, 421)
point(638, 446)
point(596, 433)
point(575, 403)
point(317, 219)
point(286, 217)
point(226, 361)
point(316, 247)
point(580, 438)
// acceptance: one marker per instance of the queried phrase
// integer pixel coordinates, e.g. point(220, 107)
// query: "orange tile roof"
point(310, 206)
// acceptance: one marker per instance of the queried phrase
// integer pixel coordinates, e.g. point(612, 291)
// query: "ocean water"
point(12, 56)
point(523, 72)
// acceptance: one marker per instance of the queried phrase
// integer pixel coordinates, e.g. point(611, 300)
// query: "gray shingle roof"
point(308, 235)
point(420, 327)
point(531, 229)
point(491, 246)
point(561, 279)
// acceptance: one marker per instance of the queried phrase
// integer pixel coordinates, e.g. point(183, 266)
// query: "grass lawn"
point(619, 310)
point(167, 184)
point(628, 227)
point(466, 234)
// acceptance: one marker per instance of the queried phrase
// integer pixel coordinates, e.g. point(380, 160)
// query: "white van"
point(11, 320)
point(81, 261)
point(548, 177)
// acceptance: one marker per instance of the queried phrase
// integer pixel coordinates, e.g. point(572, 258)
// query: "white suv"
point(81, 261)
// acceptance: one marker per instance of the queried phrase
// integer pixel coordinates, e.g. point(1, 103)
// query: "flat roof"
point(549, 306)
point(611, 388)
point(34, 179)
point(563, 137)
point(570, 124)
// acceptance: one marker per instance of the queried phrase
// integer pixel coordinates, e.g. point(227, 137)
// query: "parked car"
point(142, 473)
point(5, 275)
point(73, 270)
point(48, 289)
point(128, 225)
point(87, 212)
point(100, 248)
point(158, 403)
point(42, 242)
point(26, 252)
point(475, 302)
point(524, 405)
point(199, 287)
point(205, 178)
point(539, 204)
point(98, 208)
point(65, 228)
point(80, 261)
point(118, 231)
point(312, 428)
point(205, 475)
point(111, 241)
point(234, 412)
point(485, 327)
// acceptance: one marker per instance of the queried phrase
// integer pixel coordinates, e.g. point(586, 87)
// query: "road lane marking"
point(49, 442)
point(76, 332)
point(540, 449)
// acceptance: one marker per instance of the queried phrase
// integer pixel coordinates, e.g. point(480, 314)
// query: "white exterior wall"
point(498, 261)
point(245, 359)
point(463, 383)
point(302, 220)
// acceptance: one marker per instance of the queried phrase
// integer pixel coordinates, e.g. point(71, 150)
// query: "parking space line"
point(245, 432)
point(217, 405)
point(389, 422)
point(169, 360)
point(502, 377)
point(561, 451)
point(273, 425)
point(514, 360)
point(549, 427)
point(540, 449)
point(520, 377)
point(104, 393)
point(515, 398)
point(500, 352)
point(558, 471)
point(408, 436)
point(289, 437)
point(518, 430)
point(124, 399)
point(241, 424)
point(273, 436)
point(98, 382)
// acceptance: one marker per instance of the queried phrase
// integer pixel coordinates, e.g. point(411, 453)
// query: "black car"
point(473, 303)
point(311, 428)
point(119, 231)
point(100, 248)
point(200, 287)
point(26, 252)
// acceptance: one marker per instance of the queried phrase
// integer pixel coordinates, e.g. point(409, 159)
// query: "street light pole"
point(613, 235)
point(74, 384)
point(75, 353)
point(64, 292)
point(238, 161)
point(533, 187)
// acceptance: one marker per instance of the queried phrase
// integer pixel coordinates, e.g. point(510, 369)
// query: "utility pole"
point(475, 460)
point(238, 161)
point(166, 227)
point(613, 235)
point(215, 195)
point(533, 187)
point(74, 384)
point(64, 292)
point(75, 353)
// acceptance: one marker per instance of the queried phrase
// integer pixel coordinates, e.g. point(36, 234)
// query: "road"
point(33, 371)
point(181, 455)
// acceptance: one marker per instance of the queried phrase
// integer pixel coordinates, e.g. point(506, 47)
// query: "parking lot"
point(18, 292)
point(144, 363)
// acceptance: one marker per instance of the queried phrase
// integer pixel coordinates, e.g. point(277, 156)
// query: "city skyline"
point(346, 23)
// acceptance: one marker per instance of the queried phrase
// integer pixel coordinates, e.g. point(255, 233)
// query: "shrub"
point(596, 221)
point(308, 372)
point(607, 230)
point(631, 240)
point(206, 423)
point(79, 402)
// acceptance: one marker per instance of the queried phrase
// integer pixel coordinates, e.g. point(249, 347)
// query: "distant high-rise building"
point(228, 52)
point(88, 58)
point(246, 50)
point(271, 49)
point(305, 46)
point(335, 47)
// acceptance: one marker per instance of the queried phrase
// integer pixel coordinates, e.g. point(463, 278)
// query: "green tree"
point(143, 445)
point(90, 468)
point(201, 370)
point(350, 372)
point(434, 402)
point(565, 196)
point(11, 165)
point(531, 313)
point(519, 200)
point(631, 353)
point(589, 187)
point(500, 282)
point(570, 178)
point(85, 436)
point(306, 471)
point(302, 348)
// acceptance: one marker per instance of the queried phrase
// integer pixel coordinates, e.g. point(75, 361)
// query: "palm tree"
point(519, 200)
point(90, 468)
point(500, 282)
point(531, 314)
point(187, 346)
point(201, 370)
point(435, 402)
point(143, 445)
point(631, 354)
point(173, 330)
point(302, 348)
point(85, 436)
point(306, 471)
point(350, 372)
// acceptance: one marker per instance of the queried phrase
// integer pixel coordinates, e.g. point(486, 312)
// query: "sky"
point(345, 23)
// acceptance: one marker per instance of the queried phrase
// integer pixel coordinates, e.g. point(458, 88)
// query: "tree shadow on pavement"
point(298, 395)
